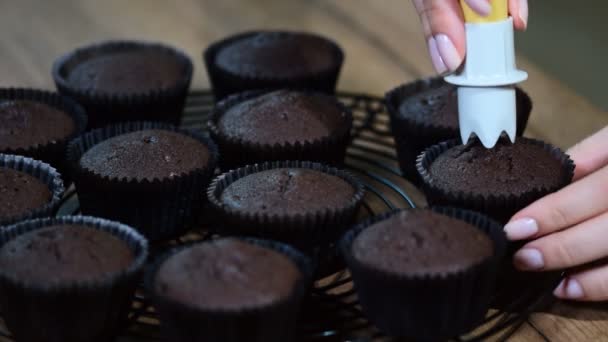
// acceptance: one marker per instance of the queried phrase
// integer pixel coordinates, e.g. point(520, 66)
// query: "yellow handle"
point(499, 12)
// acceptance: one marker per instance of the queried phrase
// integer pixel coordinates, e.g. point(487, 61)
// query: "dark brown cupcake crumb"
point(276, 54)
point(28, 123)
point(21, 192)
point(505, 169)
point(421, 242)
point(227, 274)
point(64, 254)
point(127, 72)
point(148, 154)
point(288, 192)
point(282, 117)
point(437, 106)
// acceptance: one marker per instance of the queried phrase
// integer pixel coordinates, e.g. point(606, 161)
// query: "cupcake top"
point(147, 154)
point(505, 169)
point(28, 123)
point(437, 105)
point(64, 254)
point(282, 117)
point(127, 71)
point(227, 274)
point(25, 192)
point(288, 191)
point(421, 242)
point(277, 54)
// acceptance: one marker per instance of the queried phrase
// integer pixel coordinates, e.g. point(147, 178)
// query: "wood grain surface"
point(384, 48)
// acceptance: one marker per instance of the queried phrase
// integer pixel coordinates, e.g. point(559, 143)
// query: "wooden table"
point(384, 47)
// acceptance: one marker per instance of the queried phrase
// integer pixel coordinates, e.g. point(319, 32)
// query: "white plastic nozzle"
point(486, 93)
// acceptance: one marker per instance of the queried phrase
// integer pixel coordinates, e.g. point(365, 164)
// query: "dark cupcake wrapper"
point(428, 307)
point(303, 230)
point(273, 322)
point(80, 311)
point(46, 174)
point(159, 208)
point(51, 152)
point(499, 207)
point(225, 82)
point(239, 152)
point(107, 108)
point(412, 137)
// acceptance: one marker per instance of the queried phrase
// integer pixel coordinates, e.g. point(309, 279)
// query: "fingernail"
point(438, 63)
point(528, 259)
point(523, 11)
point(482, 7)
point(569, 289)
point(447, 51)
point(521, 229)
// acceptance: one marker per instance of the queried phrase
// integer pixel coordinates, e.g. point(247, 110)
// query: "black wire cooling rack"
point(331, 311)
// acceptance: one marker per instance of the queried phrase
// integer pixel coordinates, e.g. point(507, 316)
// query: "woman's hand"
point(570, 227)
point(443, 23)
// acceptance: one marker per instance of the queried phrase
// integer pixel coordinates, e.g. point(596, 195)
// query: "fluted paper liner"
point(106, 108)
point(431, 307)
point(225, 82)
point(413, 136)
point(274, 322)
point(51, 152)
point(91, 310)
point(41, 171)
point(499, 207)
point(237, 151)
point(160, 208)
point(306, 230)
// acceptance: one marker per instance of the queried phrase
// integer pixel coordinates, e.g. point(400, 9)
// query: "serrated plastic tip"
point(487, 112)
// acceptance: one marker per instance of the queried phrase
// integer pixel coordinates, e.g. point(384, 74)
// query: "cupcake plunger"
point(486, 81)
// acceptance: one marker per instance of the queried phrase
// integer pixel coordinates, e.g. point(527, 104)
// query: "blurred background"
point(563, 50)
point(569, 39)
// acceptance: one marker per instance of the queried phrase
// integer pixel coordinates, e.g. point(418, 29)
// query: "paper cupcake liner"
point(499, 207)
point(107, 108)
point(238, 152)
point(413, 137)
point(305, 231)
point(51, 152)
point(75, 312)
point(46, 174)
point(225, 82)
point(159, 208)
point(431, 307)
point(270, 323)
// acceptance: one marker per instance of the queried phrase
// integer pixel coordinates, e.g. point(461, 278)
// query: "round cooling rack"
point(331, 311)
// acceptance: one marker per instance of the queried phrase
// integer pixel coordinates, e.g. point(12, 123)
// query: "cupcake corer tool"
point(486, 82)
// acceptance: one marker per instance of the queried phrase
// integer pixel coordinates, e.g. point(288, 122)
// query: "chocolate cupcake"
point(425, 274)
point(55, 269)
point(281, 125)
point(303, 203)
point(272, 60)
point(425, 113)
point(229, 290)
point(499, 181)
point(148, 175)
point(30, 189)
point(120, 81)
point(38, 124)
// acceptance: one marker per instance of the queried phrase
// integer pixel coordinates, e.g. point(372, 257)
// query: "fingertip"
point(481, 7)
point(519, 12)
